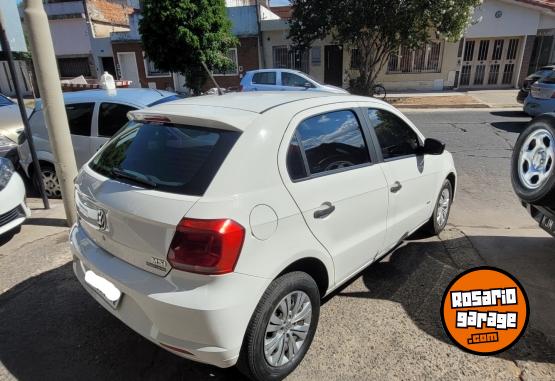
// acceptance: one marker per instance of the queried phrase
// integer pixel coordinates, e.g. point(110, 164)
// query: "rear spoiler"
point(199, 116)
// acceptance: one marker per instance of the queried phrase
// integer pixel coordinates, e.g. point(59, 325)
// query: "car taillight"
point(206, 246)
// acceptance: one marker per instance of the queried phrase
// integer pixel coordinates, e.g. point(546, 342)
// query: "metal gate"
point(490, 63)
point(6, 82)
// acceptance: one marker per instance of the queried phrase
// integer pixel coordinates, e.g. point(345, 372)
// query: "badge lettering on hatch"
point(157, 263)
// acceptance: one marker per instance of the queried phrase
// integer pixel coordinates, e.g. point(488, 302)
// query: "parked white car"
point(284, 80)
point(93, 116)
point(213, 226)
point(13, 210)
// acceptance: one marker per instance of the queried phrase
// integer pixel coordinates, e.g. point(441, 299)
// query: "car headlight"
point(6, 172)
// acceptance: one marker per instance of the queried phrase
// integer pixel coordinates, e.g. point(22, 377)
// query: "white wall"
point(70, 36)
point(515, 20)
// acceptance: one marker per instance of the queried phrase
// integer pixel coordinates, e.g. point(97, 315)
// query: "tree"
point(378, 28)
point(180, 35)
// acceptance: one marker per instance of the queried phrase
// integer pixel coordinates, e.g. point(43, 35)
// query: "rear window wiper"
point(122, 174)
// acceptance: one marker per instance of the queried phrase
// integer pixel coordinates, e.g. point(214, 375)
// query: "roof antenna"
point(220, 92)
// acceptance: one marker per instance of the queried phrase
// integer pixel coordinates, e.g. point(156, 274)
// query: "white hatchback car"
point(214, 225)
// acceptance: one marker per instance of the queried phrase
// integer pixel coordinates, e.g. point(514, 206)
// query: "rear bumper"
point(536, 106)
point(538, 213)
point(205, 316)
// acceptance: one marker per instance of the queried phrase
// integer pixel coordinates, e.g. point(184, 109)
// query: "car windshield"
point(167, 157)
point(5, 101)
point(549, 79)
point(167, 99)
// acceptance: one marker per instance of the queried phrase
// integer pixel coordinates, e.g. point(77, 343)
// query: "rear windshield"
point(166, 157)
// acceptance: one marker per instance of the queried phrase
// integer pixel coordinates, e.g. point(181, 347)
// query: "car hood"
point(334, 89)
point(10, 121)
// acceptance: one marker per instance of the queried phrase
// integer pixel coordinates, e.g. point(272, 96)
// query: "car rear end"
point(169, 277)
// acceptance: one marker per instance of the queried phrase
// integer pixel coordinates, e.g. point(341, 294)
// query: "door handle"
point(396, 187)
point(326, 209)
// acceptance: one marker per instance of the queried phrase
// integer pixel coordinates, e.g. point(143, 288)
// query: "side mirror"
point(432, 147)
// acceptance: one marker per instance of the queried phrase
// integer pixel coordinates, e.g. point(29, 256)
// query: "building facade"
point(506, 40)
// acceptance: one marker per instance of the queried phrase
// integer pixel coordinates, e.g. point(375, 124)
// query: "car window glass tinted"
point(111, 118)
point(264, 78)
point(172, 158)
point(549, 79)
point(5, 101)
point(333, 141)
point(295, 162)
point(396, 138)
point(290, 79)
point(79, 117)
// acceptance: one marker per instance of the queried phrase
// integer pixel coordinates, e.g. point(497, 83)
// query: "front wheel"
point(442, 209)
point(281, 328)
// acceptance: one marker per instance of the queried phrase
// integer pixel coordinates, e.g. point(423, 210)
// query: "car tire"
point(442, 209)
point(50, 181)
point(533, 162)
point(268, 324)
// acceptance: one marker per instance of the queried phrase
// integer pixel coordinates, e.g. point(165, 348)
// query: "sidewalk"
point(456, 99)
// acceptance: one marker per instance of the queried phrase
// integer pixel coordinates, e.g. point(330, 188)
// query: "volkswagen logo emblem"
point(101, 219)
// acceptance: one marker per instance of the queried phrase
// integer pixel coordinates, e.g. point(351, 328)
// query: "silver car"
point(284, 80)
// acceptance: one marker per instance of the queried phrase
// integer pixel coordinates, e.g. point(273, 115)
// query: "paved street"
point(383, 325)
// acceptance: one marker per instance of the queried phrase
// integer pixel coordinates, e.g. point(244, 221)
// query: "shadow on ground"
point(516, 127)
point(52, 329)
point(511, 114)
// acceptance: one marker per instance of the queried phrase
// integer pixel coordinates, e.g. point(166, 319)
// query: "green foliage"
point(378, 27)
point(178, 35)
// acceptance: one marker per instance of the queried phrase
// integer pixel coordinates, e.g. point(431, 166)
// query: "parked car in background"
point(542, 97)
point(13, 210)
point(11, 126)
point(93, 116)
point(213, 226)
point(284, 80)
point(533, 172)
point(531, 79)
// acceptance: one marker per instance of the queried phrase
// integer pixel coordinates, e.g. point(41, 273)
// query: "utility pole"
point(5, 44)
point(44, 61)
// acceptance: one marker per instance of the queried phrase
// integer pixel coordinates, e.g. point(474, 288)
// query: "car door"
point(110, 118)
point(411, 177)
point(295, 82)
point(329, 167)
point(79, 117)
point(264, 81)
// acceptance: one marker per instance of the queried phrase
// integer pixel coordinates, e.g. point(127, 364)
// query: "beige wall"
point(410, 81)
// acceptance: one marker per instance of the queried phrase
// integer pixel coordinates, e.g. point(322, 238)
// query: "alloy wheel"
point(51, 183)
point(288, 328)
point(536, 158)
point(443, 206)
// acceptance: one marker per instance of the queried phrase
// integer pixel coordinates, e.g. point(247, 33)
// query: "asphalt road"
point(383, 325)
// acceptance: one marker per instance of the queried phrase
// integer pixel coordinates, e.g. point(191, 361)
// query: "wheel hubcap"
point(535, 161)
point(287, 329)
point(443, 205)
point(51, 184)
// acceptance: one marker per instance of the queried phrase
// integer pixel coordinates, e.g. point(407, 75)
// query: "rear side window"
point(170, 158)
point(333, 141)
point(79, 117)
point(111, 118)
point(264, 78)
point(396, 138)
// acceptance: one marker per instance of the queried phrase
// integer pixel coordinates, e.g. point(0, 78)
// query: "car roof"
point(139, 97)
point(276, 69)
point(237, 110)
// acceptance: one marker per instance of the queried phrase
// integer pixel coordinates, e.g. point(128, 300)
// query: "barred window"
point(74, 67)
point(426, 59)
point(152, 70)
point(355, 59)
point(287, 58)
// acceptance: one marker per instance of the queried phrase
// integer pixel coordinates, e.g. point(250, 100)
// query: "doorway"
point(333, 65)
point(128, 68)
point(108, 65)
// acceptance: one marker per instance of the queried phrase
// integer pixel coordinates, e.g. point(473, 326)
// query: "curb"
point(431, 106)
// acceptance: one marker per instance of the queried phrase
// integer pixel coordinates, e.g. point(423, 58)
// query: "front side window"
point(396, 138)
point(79, 117)
point(264, 78)
point(293, 80)
point(333, 141)
point(170, 158)
point(112, 117)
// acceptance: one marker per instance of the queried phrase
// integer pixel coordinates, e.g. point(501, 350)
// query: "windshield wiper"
point(122, 174)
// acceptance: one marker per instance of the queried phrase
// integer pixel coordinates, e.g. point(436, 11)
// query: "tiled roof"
point(284, 12)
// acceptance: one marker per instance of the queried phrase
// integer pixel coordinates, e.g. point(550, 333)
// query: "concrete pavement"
point(456, 99)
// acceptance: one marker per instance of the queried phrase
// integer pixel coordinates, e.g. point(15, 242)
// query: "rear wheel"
point(281, 328)
point(533, 160)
